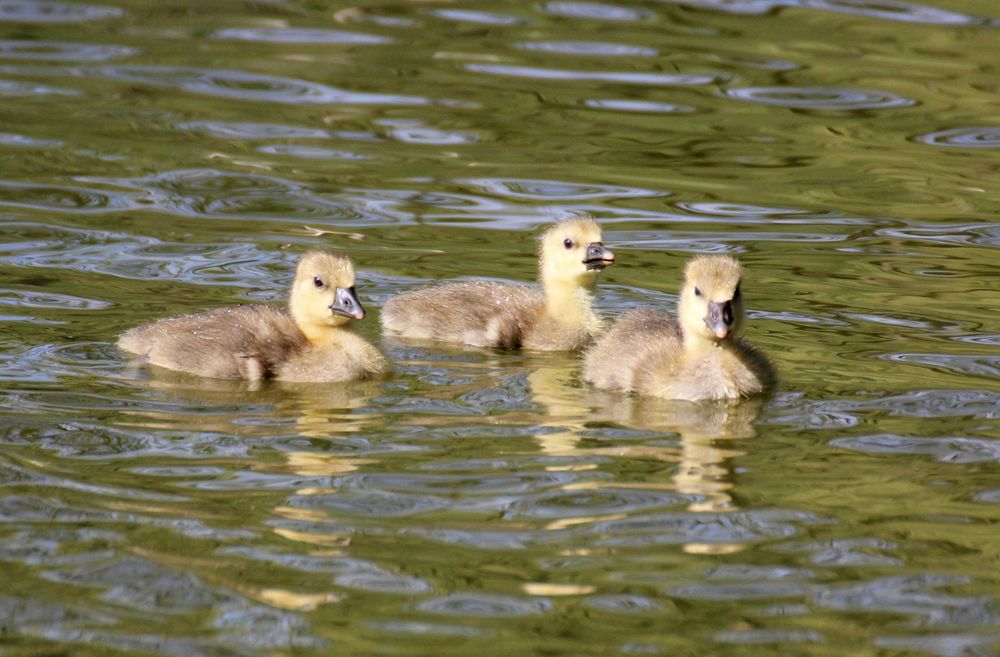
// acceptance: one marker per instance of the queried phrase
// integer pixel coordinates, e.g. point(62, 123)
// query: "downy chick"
point(694, 357)
point(308, 341)
point(557, 317)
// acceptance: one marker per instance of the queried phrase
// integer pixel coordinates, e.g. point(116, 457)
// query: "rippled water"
point(167, 158)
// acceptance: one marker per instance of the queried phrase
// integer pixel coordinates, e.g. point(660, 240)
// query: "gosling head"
point(711, 306)
point(323, 292)
point(571, 252)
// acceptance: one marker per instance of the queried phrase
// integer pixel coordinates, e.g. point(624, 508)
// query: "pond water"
point(167, 157)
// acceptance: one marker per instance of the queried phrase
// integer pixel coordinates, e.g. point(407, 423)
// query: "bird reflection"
point(704, 429)
point(194, 403)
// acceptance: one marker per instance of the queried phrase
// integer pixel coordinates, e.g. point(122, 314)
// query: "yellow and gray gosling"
point(695, 357)
point(308, 341)
point(557, 317)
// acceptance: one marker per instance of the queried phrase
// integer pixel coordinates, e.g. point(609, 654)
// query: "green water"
point(160, 158)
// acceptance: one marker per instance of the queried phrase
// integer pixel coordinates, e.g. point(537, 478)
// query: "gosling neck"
point(324, 334)
point(569, 302)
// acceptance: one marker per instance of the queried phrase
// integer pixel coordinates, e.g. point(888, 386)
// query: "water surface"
point(169, 158)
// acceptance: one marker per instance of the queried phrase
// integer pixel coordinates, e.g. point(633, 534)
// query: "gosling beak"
point(597, 257)
point(720, 318)
point(347, 303)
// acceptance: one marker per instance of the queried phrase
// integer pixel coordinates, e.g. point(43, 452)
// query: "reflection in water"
point(820, 98)
point(298, 35)
point(964, 137)
point(623, 77)
point(50, 11)
point(701, 470)
point(162, 158)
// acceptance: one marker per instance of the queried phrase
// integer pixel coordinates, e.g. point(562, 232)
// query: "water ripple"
point(49, 246)
point(299, 35)
point(62, 51)
point(13, 89)
point(590, 503)
point(349, 572)
point(917, 403)
point(981, 137)
point(484, 605)
point(481, 539)
point(140, 584)
point(220, 194)
point(628, 105)
point(588, 48)
point(29, 299)
point(553, 190)
point(87, 442)
point(949, 449)
point(414, 132)
point(249, 130)
point(740, 590)
point(891, 10)
point(948, 644)
point(595, 11)
point(767, 636)
point(28, 509)
point(912, 595)
point(720, 528)
point(885, 9)
point(309, 152)
point(59, 546)
point(820, 98)
point(850, 552)
point(621, 77)
point(48, 11)
point(20, 476)
point(425, 629)
point(63, 198)
point(370, 504)
point(241, 85)
point(623, 604)
point(478, 17)
point(988, 366)
point(23, 141)
point(470, 484)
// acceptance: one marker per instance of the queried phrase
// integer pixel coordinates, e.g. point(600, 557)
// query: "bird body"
point(307, 341)
point(694, 357)
point(557, 316)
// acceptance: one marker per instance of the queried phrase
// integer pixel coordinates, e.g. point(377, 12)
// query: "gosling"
point(308, 341)
point(557, 317)
point(695, 357)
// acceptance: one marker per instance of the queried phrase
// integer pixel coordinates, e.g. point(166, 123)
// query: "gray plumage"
point(239, 342)
point(556, 316)
point(310, 340)
point(483, 314)
point(694, 357)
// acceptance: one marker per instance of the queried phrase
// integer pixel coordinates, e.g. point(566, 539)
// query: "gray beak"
point(720, 318)
point(597, 257)
point(347, 303)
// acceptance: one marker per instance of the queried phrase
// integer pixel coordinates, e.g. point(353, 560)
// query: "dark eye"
point(318, 282)
point(697, 292)
point(568, 243)
point(736, 294)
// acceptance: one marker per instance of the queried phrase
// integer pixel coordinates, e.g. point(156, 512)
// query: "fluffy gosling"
point(310, 340)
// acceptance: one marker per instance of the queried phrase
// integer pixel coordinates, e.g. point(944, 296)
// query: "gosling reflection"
point(701, 460)
point(239, 407)
point(573, 412)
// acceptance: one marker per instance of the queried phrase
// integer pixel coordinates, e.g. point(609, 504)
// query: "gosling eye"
point(568, 243)
point(736, 294)
point(318, 282)
point(697, 292)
